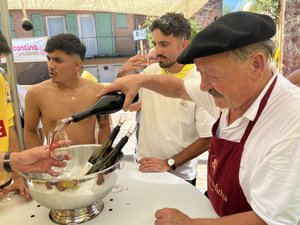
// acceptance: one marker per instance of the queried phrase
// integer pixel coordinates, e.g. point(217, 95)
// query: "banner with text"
point(29, 49)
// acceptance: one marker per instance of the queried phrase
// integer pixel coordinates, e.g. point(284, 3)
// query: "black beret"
point(231, 31)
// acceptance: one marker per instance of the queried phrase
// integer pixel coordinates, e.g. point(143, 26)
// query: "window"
point(121, 21)
point(87, 34)
point(55, 25)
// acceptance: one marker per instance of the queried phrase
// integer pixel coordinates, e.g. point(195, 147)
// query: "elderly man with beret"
point(253, 165)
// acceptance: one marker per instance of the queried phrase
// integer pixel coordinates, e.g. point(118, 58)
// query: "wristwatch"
point(6, 163)
point(171, 163)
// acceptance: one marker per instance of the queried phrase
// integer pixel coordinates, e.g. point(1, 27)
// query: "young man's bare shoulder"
point(92, 85)
point(40, 87)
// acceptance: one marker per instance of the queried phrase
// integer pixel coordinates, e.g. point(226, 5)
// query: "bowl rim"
point(105, 171)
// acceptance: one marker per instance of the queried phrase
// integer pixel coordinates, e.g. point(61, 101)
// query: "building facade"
point(109, 40)
point(107, 37)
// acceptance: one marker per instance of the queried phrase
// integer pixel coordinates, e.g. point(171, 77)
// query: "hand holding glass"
point(142, 53)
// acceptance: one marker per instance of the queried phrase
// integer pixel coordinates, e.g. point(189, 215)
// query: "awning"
point(144, 7)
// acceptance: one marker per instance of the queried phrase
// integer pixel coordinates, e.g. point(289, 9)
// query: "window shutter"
point(105, 34)
point(38, 26)
point(121, 21)
point(72, 24)
point(12, 27)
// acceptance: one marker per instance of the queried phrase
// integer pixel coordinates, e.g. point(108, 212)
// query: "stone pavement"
point(129, 148)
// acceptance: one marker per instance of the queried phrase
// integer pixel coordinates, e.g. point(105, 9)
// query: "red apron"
point(223, 186)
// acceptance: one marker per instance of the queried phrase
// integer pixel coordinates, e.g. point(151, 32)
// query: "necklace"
point(73, 95)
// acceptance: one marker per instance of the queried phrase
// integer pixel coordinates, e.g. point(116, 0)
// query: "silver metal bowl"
point(70, 193)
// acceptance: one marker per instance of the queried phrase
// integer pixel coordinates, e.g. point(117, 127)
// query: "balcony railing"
point(109, 46)
point(35, 73)
point(96, 47)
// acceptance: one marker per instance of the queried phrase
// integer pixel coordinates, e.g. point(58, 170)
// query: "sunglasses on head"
point(169, 22)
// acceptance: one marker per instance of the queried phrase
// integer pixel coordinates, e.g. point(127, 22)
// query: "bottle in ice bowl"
point(60, 137)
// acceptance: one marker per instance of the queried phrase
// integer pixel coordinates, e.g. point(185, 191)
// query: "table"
point(143, 194)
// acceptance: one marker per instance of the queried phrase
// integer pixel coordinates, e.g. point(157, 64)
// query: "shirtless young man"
point(65, 94)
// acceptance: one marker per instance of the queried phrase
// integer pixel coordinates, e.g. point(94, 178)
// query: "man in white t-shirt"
point(173, 132)
point(253, 165)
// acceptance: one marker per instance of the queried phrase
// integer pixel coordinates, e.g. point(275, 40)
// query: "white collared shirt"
point(270, 165)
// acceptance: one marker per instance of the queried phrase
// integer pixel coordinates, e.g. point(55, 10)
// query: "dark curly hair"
point(172, 23)
point(69, 43)
point(4, 48)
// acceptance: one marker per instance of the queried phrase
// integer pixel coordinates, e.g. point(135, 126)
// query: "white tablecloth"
point(143, 194)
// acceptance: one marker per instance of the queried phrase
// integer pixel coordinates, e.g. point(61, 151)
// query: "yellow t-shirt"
point(181, 74)
point(86, 75)
point(6, 115)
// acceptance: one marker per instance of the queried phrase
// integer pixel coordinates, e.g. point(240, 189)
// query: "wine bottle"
point(105, 148)
point(112, 156)
point(107, 104)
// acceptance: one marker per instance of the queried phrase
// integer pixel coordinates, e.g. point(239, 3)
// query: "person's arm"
point(151, 164)
point(204, 122)
point(133, 64)
point(18, 184)
point(294, 77)
point(14, 144)
point(35, 160)
point(167, 216)
point(104, 122)
point(135, 106)
point(31, 119)
point(195, 149)
point(130, 86)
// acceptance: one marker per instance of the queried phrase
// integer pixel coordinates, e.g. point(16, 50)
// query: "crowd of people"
point(218, 93)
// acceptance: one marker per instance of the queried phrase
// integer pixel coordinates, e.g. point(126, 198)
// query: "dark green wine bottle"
point(112, 156)
point(105, 148)
point(107, 104)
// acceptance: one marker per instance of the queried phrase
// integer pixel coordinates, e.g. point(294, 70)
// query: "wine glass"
point(117, 187)
point(5, 180)
point(143, 53)
point(60, 136)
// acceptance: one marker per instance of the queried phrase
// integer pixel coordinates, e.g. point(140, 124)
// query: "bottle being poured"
point(107, 104)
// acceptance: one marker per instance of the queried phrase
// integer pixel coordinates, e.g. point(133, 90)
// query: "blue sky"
point(232, 3)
